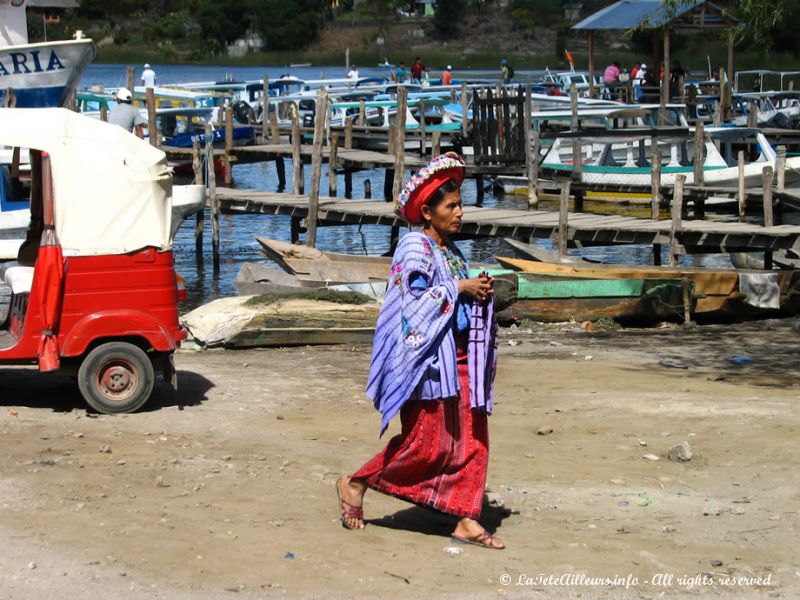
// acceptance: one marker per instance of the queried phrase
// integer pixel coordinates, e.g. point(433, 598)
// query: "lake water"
point(238, 232)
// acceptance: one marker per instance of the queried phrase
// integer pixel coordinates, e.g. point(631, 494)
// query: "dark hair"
point(447, 187)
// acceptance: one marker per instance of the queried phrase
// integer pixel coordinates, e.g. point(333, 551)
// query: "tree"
point(447, 16)
point(763, 19)
point(760, 18)
point(221, 21)
point(288, 25)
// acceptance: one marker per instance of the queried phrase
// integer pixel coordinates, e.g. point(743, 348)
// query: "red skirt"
point(440, 458)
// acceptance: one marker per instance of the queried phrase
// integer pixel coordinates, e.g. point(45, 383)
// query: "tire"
point(116, 377)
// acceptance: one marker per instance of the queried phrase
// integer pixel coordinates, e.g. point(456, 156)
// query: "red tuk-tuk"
point(93, 292)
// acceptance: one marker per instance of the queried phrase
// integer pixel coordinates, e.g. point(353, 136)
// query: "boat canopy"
point(111, 190)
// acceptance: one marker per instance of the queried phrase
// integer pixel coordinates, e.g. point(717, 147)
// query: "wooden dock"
point(583, 229)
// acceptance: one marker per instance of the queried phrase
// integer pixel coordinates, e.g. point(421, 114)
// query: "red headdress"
point(419, 189)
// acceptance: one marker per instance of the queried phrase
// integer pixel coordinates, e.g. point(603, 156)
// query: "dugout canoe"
point(719, 292)
point(558, 298)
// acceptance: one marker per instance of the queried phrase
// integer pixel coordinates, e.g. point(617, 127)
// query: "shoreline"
point(228, 486)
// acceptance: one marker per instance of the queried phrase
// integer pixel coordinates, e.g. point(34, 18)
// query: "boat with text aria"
point(42, 74)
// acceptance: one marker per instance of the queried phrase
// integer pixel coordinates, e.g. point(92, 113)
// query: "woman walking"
point(433, 362)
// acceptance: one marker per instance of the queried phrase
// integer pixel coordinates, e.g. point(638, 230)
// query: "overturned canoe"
point(325, 266)
point(254, 278)
point(284, 319)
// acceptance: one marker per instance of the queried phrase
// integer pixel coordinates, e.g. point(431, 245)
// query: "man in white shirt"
point(148, 77)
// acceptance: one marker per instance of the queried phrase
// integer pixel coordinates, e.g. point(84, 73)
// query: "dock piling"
point(741, 194)
point(464, 107)
point(280, 169)
point(655, 192)
point(264, 109)
point(780, 169)
point(152, 129)
point(436, 144)
point(212, 196)
point(400, 141)
point(675, 228)
point(275, 132)
point(766, 182)
point(388, 185)
point(348, 133)
point(316, 167)
point(200, 216)
point(563, 215)
point(297, 163)
point(699, 152)
point(655, 179)
point(228, 145)
point(333, 160)
point(576, 142)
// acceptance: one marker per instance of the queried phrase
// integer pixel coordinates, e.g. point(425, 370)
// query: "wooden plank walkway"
point(352, 158)
point(584, 229)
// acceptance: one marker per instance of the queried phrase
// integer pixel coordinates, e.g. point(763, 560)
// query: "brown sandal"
point(484, 540)
point(348, 511)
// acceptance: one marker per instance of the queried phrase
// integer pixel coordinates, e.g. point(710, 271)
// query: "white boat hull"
point(43, 75)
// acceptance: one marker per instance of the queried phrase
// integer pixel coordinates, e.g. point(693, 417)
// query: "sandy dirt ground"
point(226, 489)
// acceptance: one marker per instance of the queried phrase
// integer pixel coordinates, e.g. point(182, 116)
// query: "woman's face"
point(445, 217)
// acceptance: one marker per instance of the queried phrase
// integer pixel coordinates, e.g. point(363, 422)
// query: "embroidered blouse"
point(414, 352)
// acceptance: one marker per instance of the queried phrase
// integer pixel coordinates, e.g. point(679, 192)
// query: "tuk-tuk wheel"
point(116, 377)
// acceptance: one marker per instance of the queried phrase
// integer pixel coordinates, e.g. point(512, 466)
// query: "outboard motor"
point(244, 113)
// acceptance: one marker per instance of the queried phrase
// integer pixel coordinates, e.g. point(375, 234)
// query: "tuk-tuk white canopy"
point(111, 189)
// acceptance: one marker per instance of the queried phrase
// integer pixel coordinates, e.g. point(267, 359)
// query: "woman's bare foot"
point(470, 531)
point(351, 497)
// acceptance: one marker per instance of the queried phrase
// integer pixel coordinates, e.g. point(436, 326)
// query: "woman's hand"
point(480, 287)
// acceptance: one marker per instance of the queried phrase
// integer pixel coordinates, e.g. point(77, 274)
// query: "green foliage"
point(767, 22)
point(528, 13)
point(447, 16)
point(207, 26)
point(288, 25)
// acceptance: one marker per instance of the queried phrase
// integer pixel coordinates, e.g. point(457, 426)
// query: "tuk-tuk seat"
point(19, 279)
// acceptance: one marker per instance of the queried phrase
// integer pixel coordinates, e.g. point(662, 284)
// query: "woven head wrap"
point(419, 189)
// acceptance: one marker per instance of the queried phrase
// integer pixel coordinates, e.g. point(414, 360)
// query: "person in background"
point(417, 70)
point(676, 75)
point(352, 74)
point(611, 74)
point(635, 71)
point(401, 73)
point(148, 77)
point(447, 76)
point(433, 364)
point(506, 71)
point(638, 81)
point(125, 115)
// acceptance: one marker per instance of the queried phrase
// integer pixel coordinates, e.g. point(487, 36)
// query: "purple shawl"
point(414, 352)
